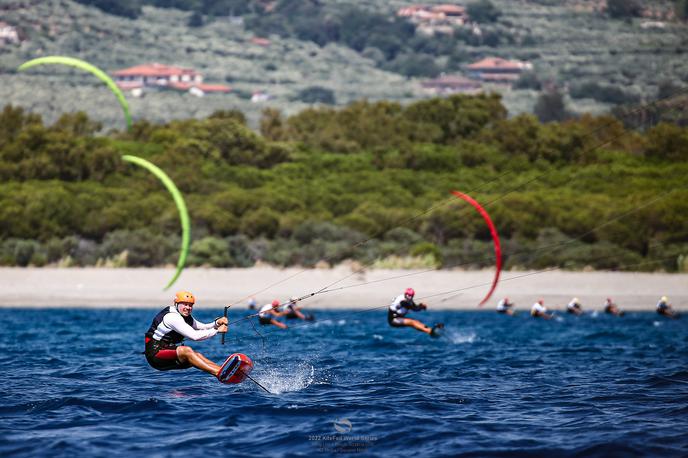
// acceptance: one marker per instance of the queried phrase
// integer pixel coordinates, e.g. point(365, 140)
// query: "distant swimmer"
point(294, 313)
point(506, 307)
point(664, 308)
point(252, 304)
point(402, 304)
point(268, 313)
point(538, 310)
point(574, 307)
point(164, 348)
point(611, 308)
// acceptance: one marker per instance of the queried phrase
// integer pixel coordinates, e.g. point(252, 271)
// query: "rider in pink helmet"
point(402, 304)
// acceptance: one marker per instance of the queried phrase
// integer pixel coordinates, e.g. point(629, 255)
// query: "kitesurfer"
point(267, 313)
point(506, 307)
point(294, 312)
point(164, 347)
point(574, 307)
point(664, 308)
point(611, 308)
point(538, 310)
point(402, 304)
point(252, 304)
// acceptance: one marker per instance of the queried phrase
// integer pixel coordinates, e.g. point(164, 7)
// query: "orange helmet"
point(184, 296)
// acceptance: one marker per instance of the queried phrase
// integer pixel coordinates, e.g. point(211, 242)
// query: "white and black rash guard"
point(503, 305)
point(401, 306)
point(263, 312)
point(538, 309)
point(572, 305)
point(170, 326)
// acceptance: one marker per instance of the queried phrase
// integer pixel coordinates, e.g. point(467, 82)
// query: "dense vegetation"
point(312, 186)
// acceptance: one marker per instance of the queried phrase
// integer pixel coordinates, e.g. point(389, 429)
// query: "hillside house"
point(451, 84)
point(434, 19)
point(8, 34)
point(498, 70)
point(165, 76)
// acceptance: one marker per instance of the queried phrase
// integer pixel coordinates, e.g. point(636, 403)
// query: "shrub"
point(210, 251)
point(260, 222)
point(316, 94)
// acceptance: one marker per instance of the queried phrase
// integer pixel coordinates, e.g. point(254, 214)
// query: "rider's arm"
point(417, 307)
point(177, 323)
point(203, 326)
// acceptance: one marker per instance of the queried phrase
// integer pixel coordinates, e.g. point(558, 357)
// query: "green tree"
point(550, 106)
point(622, 9)
point(316, 94)
point(483, 11)
point(667, 142)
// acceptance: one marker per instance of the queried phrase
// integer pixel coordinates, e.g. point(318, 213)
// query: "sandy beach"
point(214, 288)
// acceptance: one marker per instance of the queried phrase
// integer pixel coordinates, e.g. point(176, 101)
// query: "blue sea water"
point(76, 384)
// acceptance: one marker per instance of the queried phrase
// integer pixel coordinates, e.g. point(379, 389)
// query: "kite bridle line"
point(328, 288)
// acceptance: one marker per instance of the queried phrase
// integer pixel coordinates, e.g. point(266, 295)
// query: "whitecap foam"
point(378, 337)
point(278, 380)
point(458, 337)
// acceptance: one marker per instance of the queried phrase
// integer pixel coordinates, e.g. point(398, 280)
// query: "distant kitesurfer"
point(402, 304)
point(164, 348)
point(664, 308)
point(611, 308)
point(268, 313)
point(505, 306)
point(293, 312)
point(538, 310)
point(252, 304)
point(574, 307)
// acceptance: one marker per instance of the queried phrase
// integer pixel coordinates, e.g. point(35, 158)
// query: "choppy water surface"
point(76, 384)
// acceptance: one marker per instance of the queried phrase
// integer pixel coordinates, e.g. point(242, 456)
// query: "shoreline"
point(91, 287)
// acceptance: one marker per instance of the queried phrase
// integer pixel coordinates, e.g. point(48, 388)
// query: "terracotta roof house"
point(498, 70)
point(165, 76)
point(451, 84)
point(428, 16)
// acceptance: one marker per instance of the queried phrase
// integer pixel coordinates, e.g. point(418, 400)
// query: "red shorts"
point(163, 358)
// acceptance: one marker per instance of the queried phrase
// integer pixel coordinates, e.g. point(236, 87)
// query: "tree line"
point(588, 191)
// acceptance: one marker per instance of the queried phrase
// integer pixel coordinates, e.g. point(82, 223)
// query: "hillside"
point(570, 46)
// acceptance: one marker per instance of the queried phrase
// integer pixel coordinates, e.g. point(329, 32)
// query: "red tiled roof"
point(202, 87)
point(260, 41)
point(449, 9)
point(154, 70)
point(496, 63)
point(214, 88)
point(410, 10)
point(450, 81)
point(129, 85)
point(499, 77)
